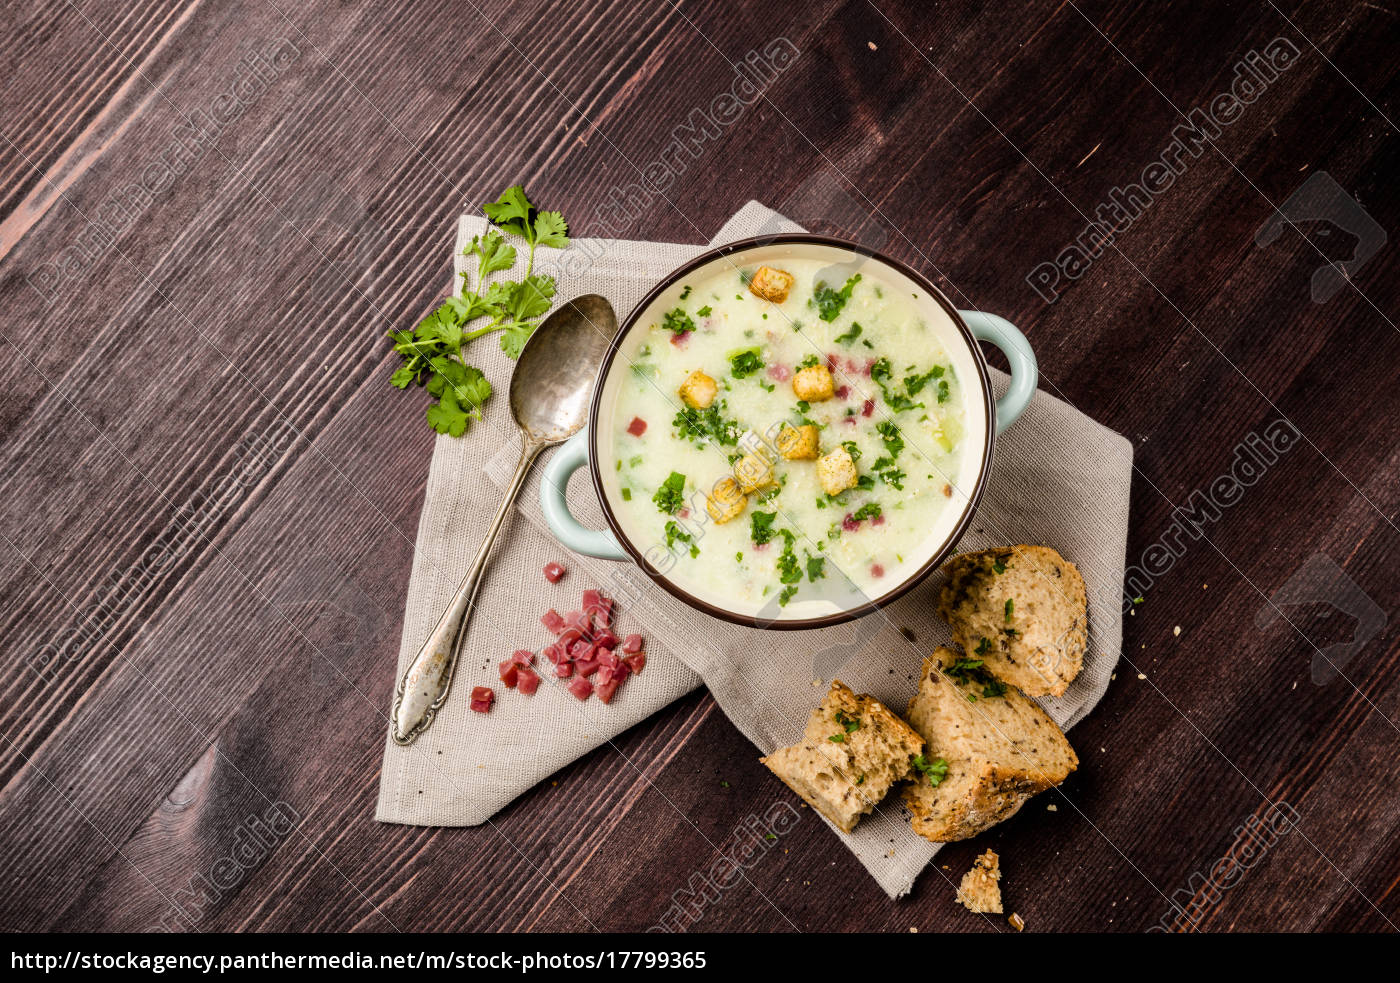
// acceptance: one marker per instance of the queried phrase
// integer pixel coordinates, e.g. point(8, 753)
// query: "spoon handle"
point(423, 689)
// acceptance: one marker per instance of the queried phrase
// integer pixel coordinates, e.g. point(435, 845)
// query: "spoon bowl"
point(552, 386)
point(550, 393)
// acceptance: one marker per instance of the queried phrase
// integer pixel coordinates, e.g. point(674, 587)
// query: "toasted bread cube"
point(980, 890)
point(698, 390)
point(753, 472)
point(851, 753)
point(836, 471)
point(771, 284)
point(813, 384)
point(798, 443)
point(725, 501)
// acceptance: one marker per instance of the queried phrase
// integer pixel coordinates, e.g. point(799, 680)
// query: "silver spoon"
point(549, 396)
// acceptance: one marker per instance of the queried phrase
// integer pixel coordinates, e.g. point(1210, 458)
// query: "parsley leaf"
point(761, 526)
point(671, 495)
point(745, 363)
point(829, 302)
point(935, 771)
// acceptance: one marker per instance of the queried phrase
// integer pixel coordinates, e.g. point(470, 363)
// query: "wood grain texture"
point(213, 492)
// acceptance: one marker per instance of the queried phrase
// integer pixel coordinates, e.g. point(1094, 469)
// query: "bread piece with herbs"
point(1023, 611)
point(989, 748)
point(853, 751)
point(980, 890)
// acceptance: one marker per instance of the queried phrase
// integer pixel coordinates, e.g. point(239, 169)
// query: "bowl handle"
point(1024, 373)
point(562, 464)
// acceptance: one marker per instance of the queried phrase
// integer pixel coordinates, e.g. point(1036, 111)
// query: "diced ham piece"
point(843, 392)
point(606, 691)
point(850, 523)
point(580, 649)
point(868, 408)
point(586, 667)
point(605, 615)
point(482, 698)
point(879, 520)
point(523, 657)
point(579, 620)
point(606, 657)
point(581, 688)
point(637, 661)
point(637, 427)
point(633, 643)
point(509, 671)
point(869, 366)
point(592, 601)
point(604, 639)
point(564, 669)
point(849, 421)
point(679, 339)
point(779, 373)
point(528, 680)
point(876, 570)
point(685, 513)
point(555, 653)
point(552, 620)
point(553, 571)
point(833, 362)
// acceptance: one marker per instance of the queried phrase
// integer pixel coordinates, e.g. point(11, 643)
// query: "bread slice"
point(980, 890)
point(852, 752)
point(1023, 611)
point(998, 750)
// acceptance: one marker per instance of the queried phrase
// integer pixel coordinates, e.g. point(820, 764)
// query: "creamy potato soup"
point(785, 445)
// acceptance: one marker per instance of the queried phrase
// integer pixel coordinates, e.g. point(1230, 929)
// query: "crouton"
point(990, 749)
point(771, 284)
point(980, 890)
point(698, 390)
point(1023, 611)
point(836, 471)
point(853, 750)
point(798, 443)
point(725, 500)
point(813, 383)
point(753, 472)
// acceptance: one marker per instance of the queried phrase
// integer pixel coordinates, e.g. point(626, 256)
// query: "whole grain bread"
point(999, 750)
point(853, 751)
point(1023, 611)
point(980, 890)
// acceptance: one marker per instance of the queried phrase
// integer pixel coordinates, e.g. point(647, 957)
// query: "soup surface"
point(784, 442)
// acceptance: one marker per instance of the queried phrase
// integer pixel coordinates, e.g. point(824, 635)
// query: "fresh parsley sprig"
point(432, 352)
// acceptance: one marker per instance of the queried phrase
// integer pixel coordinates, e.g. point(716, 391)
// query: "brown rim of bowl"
point(900, 589)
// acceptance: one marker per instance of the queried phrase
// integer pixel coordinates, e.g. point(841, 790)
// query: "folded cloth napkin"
point(1059, 479)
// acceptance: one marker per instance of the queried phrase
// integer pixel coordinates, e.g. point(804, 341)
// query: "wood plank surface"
point(213, 491)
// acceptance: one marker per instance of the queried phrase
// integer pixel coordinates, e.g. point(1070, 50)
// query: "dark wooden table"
point(208, 478)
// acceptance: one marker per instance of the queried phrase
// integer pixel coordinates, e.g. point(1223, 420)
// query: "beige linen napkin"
point(1059, 479)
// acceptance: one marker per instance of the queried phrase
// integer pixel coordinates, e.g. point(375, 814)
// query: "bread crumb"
point(871, 45)
point(1052, 808)
point(1176, 630)
point(980, 890)
point(1142, 675)
point(914, 929)
point(1017, 922)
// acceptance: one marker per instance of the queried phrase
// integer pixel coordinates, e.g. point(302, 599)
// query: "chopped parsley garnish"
point(972, 671)
point(627, 494)
point(914, 383)
point(786, 595)
point(849, 336)
point(677, 321)
point(889, 474)
point(848, 723)
point(998, 566)
point(829, 302)
point(982, 647)
point(865, 482)
point(745, 363)
point(761, 526)
point(852, 449)
point(893, 439)
point(882, 373)
point(788, 570)
point(686, 292)
point(1010, 606)
point(943, 391)
point(705, 311)
point(816, 567)
point(671, 495)
point(935, 771)
point(707, 424)
point(675, 534)
point(870, 510)
point(808, 362)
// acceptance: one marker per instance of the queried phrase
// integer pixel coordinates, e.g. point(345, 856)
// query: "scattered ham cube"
point(564, 669)
point(553, 571)
point(482, 698)
point(527, 680)
point(779, 373)
point(637, 427)
point(637, 661)
point(552, 620)
point(592, 601)
point(604, 639)
point(606, 690)
point(523, 657)
point(868, 408)
point(680, 338)
point(509, 673)
point(843, 392)
point(876, 570)
point(581, 688)
point(633, 643)
point(586, 667)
